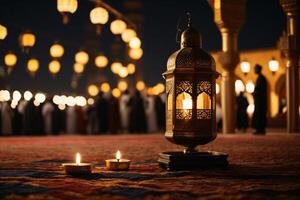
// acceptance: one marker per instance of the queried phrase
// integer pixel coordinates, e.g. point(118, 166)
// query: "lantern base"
point(173, 161)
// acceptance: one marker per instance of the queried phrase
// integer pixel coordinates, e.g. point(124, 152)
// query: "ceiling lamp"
point(140, 85)
point(128, 34)
point(54, 67)
point(116, 93)
point(136, 54)
point(78, 68)
point(135, 43)
point(273, 65)
point(123, 73)
point(105, 87)
point(245, 67)
point(82, 57)
point(99, 16)
point(66, 7)
point(56, 50)
point(122, 85)
point(101, 61)
point(3, 32)
point(27, 40)
point(32, 66)
point(10, 60)
point(118, 26)
point(115, 67)
point(239, 86)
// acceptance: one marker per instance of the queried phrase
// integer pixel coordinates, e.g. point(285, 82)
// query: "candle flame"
point(187, 104)
point(78, 158)
point(118, 155)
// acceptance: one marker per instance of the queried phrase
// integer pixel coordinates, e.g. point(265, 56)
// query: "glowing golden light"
point(123, 73)
point(118, 26)
point(101, 61)
point(4, 95)
point(115, 67)
point(217, 88)
point(245, 67)
point(187, 103)
point(67, 6)
point(27, 95)
point(27, 39)
point(158, 89)
point(90, 101)
point(250, 87)
point(56, 50)
point(80, 100)
point(239, 86)
point(136, 54)
point(116, 92)
point(140, 85)
point(93, 90)
point(3, 32)
point(54, 67)
point(122, 85)
point(82, 57)
point(118, 155)
point(128, 34)
point(135, 43)
point(105, 87)
point(131, 68)
point(40, 97)
point(10, 59)
point(16, 96)
point(99, 15)
point(33, 65)
point(78, 159)
point(250, 109)
point(273, 65)
point(78, 68)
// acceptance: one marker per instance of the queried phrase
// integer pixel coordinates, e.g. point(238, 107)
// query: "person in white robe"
point(47, 111)
point(151, 114)
point(6, 115)
point(71, 118)
point(125, 110)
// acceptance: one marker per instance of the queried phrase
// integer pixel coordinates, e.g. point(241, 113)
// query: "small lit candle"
point(77, 168)
point(118, 164)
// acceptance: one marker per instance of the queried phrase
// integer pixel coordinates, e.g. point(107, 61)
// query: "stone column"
point(229, 16)
point(292, 9)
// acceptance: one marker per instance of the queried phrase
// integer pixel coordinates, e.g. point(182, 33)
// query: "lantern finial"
point(190, 37)
point(189, 16)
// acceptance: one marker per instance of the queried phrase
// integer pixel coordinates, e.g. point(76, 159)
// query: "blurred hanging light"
point(118, 26)
point(17, 96)
point(158, 89)
point(105, 87)
point(54, 67)
point(66, 7)
point(123, 73)
point(78, 68)
point(140, 85)
point(90, 101)
point(250, 109)
point(4, 95)
point(273, 65)
point(245, 67)
point(131, 68)
point(136, 54)
point(128, 34)
point(115, 67)
point(27, 40)
point(99, 16)
point(40, 97)
point(10, 60)
point(3, 32)
point(27, 95)
point(56, 50)
point(239, 86)
point(33, 65)
point(116, 92)
point(101, 61)
point(93, 90)
point(135, 43)
point(82, 57)
point(250, 87)
point(122, 85)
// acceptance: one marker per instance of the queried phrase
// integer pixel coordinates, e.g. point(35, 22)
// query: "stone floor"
point(261, 167)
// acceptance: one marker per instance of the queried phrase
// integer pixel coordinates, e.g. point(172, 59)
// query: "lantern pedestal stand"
point(190, 161)
point(191, 106)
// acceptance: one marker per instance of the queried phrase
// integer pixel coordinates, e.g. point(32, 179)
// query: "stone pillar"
point(292, 9)
point(229, 16)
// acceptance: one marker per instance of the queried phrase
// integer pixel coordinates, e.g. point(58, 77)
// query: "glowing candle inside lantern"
point(78, 158)
point(187, 104)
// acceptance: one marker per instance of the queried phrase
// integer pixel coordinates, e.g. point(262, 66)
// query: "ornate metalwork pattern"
point(184, 86)
point(204, 86)
point(169, 120)
point(203, 114)
point(183, 114)
point(169, 85)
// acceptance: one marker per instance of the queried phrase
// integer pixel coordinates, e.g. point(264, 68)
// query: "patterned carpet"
point(261, 167)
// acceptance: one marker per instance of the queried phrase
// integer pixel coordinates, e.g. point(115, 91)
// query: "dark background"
point(264, 24)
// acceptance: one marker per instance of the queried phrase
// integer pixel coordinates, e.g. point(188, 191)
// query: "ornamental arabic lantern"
point(190, 105)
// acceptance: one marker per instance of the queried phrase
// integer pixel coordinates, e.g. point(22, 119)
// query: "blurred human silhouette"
point(137, 114)
point(6, 117)
point(47, 112)
point(102, 113)
point(113, 115)
point(125, 110)
point(151, 114)
point(242, 116)
point(160, 112)
point(260, 102)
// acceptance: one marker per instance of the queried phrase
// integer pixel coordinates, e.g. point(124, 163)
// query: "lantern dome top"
point(191, 56)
